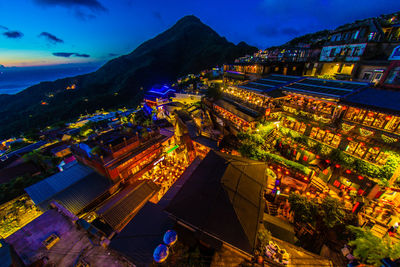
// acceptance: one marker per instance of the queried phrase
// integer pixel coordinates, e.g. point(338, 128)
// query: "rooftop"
point(381, 100)
point(72, 245)
point(120, 209)
point(74, 188)
point(56, 183)
point(223, 198)
point(325, 88)
point(270, 84)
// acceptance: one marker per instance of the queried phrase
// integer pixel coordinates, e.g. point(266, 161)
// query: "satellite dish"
point(170, 237)
point(161, 253)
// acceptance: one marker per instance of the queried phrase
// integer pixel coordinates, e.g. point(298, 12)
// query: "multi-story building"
point(348, 129)
point(124, 155)
point(358, 51)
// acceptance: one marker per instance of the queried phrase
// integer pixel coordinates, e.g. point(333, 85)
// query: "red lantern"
point(388, 118)
point(328, 161)
point(337, 166)
point(348, 171)
point(344, 108)
point(360, 177)
point(371, 114)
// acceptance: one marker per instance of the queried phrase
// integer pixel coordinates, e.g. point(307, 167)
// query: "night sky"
point(49, 32)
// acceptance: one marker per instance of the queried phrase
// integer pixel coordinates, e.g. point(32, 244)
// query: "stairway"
point(271, 137)
point(319, 184)
point(272, 208)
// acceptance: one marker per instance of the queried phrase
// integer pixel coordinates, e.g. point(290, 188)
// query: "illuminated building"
point(158, 95)
point(124, 156)
point(356, 121)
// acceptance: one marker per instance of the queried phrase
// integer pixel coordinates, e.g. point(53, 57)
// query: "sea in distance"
point(16, 79)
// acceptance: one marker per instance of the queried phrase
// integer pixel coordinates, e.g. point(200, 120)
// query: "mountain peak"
point(188, 19)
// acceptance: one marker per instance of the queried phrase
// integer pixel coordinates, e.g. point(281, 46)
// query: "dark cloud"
point(93, 5)
point(51, 38)
point(66, 54)
point(290, 31)
point(3, 27)
point(81, 55)
point(82, 9)
point(13, 34)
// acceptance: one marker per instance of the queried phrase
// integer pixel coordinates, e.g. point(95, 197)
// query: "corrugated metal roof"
point(79, 195)
point(56, 183)
point(122, 211)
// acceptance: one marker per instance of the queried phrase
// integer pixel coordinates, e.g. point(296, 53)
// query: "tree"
point(332, 212)
point(304, 210)
point(214, 91)
point(371, 249)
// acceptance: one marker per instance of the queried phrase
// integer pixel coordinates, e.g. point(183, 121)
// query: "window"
point(380, 120)
point(372, 154)
point(369, 118)
point(356, 35)
point(332, 53)
point(313, 132)
point(393, 77)
point(357, 51)
point(360, 151)
point(351, 147)
point(367, 76)
point(393, 124)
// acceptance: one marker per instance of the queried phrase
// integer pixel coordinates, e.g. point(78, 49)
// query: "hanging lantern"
point(360, 177)
point(170, 237)
point(337, 166)
point(348, 171)
point(161, 253)
point(388, 118)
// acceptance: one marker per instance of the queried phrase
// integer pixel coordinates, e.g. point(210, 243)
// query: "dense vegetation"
point(188, 47)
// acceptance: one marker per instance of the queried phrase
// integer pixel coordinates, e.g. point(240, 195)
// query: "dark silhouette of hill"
point(187, 47)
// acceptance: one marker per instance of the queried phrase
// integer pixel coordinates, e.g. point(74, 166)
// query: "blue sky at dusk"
point(49, 32)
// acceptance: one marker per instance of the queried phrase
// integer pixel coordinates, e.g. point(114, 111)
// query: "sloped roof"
point(270, 84)
point(325, 88)
point(79, 195)
point(378, 99)
point(223, 198)
point(56, 183)
point(237, 109)
point(127, 204)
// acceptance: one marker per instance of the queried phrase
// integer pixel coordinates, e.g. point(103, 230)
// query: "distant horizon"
point(16, 79)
